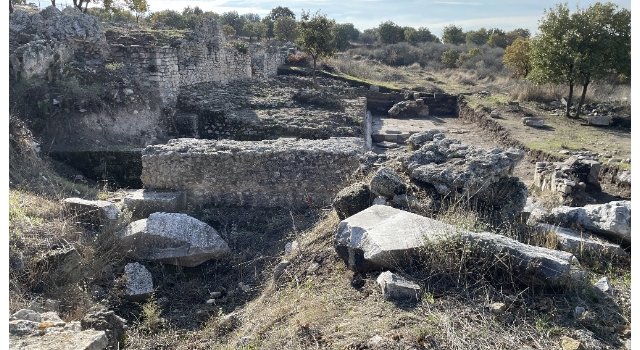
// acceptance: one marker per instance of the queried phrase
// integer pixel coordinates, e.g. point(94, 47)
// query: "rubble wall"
point(265, 62)
point(272, 173)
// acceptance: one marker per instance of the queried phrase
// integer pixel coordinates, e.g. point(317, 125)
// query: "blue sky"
point(435, 14)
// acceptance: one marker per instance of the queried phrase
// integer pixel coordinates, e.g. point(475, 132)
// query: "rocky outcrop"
point(383, 237)
point(173, 238)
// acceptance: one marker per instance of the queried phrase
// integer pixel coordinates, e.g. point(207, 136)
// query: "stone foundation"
point(276, 173)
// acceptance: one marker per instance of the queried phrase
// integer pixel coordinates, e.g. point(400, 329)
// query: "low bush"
point(299, 60)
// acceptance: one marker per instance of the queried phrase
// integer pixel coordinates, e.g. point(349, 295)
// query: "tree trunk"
point(567, 114)
point(315, 82)
point(584, 93)
point(10, 7)
point(86, 4)
point(53, 3)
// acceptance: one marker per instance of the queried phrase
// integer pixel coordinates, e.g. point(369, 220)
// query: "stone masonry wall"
point(271, 173)
point(265, 62)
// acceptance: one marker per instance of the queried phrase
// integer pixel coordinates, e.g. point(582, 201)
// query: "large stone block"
point(577, 242)
point(599, 119)
point(398, 289)
point(383, 237)
point(99, 213)
point(173, 239)
point(611, 220)
point(142, 203)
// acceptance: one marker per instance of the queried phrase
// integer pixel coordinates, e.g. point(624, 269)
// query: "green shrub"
point(450, 58)
point(241, 46)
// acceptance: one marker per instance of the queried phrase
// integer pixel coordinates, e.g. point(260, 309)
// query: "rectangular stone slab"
point(384, 237)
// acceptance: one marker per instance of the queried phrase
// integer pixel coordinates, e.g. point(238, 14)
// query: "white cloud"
point(457, 3)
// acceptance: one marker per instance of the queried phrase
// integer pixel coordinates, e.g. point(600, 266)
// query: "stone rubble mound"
point(418, 139)
point(173, 238)
point(382, 237)
point(569, 181)
point(484, 174)
point(318, 98)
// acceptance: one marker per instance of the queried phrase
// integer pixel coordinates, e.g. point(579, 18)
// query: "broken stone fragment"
point(398, 289)
point(384, 237)
point(100, 213)
point(173, 238)
point(611, 220)
point(576, 242)
point(139, 281)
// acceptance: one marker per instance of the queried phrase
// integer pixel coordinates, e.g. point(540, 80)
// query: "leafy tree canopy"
point(316, 38)
point(453, 34)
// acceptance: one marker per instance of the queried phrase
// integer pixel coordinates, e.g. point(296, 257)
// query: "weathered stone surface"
point(398, 289)
point(105, 320)
point(537, 122)
point(599, 119)
point(449, 165)
point(139, 281)
point(26, 314)
point(409, 109)
point(174, 239)
point(36, 58)
point(603, 286)
point(142, 203)
point(416, 140)
point(352, 199)
point(457, 169)
point(100, 213)
point(83, 340)
point(283, 172)
point(23, 327)
point(569, 180)
point(386, 183)
point(612, 220)
point(384, 237)
point(576, 242)
point(64, 265)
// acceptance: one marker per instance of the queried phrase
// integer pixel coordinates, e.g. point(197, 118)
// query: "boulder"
point(352, 199)
point(603, 286)
point(139, 281)
point(408, 109)
point(599, 119)
point(398, 289)
point(98, 213)
point(537, 122)
point(577, 242)
point(173, 239)
point(101, 319)
point(144, 202)
point(611, 220)
point(386, 183)
point(73, 340)
point(383, 237)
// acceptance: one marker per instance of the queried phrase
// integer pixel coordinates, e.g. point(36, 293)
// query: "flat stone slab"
point(101, 213)
point(173, 238)
point(142, 203)
point(573, 241)
point(88, 339)
point(398, 130)
point(382, 237)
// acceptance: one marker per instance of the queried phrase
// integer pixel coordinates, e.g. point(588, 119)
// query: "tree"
point(341, 35)
point(140, 7)
point(274, 15)
point(228, 30)
point(286, 29)
point(251, 17)
point(453, 34)
point(517, 55)
point(316, 38)
point(390, 33)
point(477, 37)
point(497, 39)
point(78, 4)
point(252, 29)
point(233, 19)
point(582, 47)
point(450, 58)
